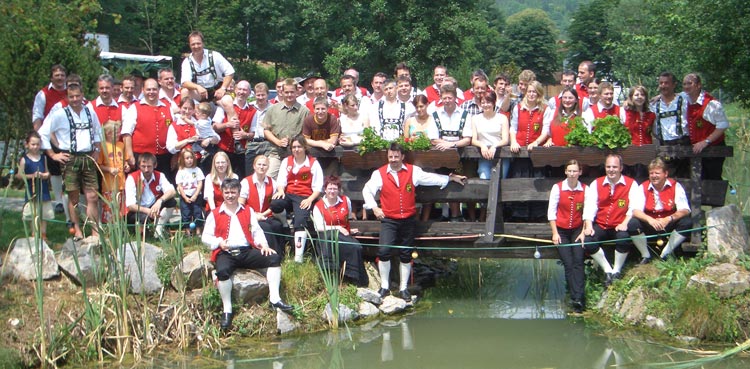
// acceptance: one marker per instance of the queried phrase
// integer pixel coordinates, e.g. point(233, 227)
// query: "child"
point(113, 164)
point(35, 173)
point(208, 138)
point(189, 180)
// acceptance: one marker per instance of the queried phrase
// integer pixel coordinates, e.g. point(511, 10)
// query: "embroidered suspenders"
point(442, 132)
point(391, 124)
point(74, 127)
point(211, 68)
point(674, 113)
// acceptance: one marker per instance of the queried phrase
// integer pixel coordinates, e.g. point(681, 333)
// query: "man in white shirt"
point(206, 74)
point(148, 195)
point(258, 144)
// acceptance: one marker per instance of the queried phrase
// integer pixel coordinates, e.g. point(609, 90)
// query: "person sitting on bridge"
point(397, 182)
point(662, 207)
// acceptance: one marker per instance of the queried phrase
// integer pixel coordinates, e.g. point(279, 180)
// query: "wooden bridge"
point(487, 236)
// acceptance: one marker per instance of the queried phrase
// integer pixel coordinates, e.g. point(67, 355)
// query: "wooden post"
point(696, 200)
point(494, 204)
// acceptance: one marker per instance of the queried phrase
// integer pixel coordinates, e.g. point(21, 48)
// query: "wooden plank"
point(494, 221)
point(430, 229)
point(423, 159)
point(558, 156)
point(687, 152)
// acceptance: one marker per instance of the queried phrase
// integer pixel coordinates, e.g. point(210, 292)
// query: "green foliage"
point(560, 11)
point(372, 142)
point(702, 314)
point(607, 133)
point(590, 33)
point(164, 268)
point(531, 42)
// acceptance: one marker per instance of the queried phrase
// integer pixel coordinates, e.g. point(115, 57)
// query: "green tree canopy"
point(531, 43)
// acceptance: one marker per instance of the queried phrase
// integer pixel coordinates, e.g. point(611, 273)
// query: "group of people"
point(241, 162)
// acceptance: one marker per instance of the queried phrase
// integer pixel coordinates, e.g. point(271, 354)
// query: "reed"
point(327, 263)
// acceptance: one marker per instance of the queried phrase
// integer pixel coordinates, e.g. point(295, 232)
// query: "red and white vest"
point(153, 186)
point(570, 207)
point(666, 198)
point(529, 125)
point(150, 133)
point(612, 208)
point(253, 197)
point(398, 201)
point(222, 221)
point(300, 183)
point(106, 113)
point(582, 91)
point(599, 114)
point(245, 115)
point(698, 127)
point(52, 97)
point(336, 215)
point(640, 127)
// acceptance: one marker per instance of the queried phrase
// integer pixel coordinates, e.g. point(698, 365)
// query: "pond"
point(490, 314)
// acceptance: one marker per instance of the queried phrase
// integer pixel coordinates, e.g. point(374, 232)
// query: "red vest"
point(582, 91)
point(332, 111)
point(558, 130)
point(337, 215)
point(226, 141)
point(184, 131)
point(529, 125)
point(222, 221)
point(106, 113)
point(614, 110)
point(253, 199)
point(612, 208)
point(51, 97)
point(150, 133)
point(300, 183)
point(570, 208)
point(125, 104)
point(398, 202)
point(698, 127)
point(153, 186)
point(218, 196)
point(640, 128)
point(433, 95)
point(666, 198)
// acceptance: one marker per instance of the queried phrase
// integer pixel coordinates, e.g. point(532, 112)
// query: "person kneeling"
point(149, 195)
point(237, 241)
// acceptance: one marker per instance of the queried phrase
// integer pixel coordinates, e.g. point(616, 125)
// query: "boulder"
point(140, 267)
point(727, 236)
point(367, 309)
point(22, 260)
point(655, 323)
point(369, 296)
point(633, 308)
point(392, 305)
point(373, 276)
point(82, 262)
point(192, 273)
point(345, 313)
point(284, 323)
point(726, 279)
point(249, 287)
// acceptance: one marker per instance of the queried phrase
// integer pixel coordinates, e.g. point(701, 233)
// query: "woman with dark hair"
point(638, 118)
point(300, 182)
point(352, 122)
point(422, 122)
point(490, 132)
point(331, 218)
point(565, 215)
point(560, 121)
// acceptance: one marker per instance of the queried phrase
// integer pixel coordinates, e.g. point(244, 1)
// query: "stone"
point(688, 339)
point(284, 323)
point(373, 276)
point(22, 260)
point(726, 279)
point(369, 295)
point(392, 305)
point(192, 273)
point(367, 309)
point(82, 261)
point(633, 307)
point(655, 323)
point(14, 323)
point(345, 313)
point(727, 236)
point(140, 267)
point(249, 287)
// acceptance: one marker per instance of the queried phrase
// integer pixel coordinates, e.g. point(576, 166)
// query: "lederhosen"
point(210, 70)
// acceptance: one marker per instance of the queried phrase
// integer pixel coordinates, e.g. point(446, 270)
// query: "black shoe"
point(59, 208)
point(404, 295)
point(645, 261)
point(226, 321)
point(616, 276)
point(282, 306)
point(577, 306)
point(608, 280)
point(384, 292)
point(69, 224)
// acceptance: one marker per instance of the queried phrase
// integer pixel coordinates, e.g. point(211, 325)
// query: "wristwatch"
point(708, 142)
point(454, 145)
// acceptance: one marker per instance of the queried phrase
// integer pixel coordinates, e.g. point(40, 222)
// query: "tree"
point(590, 35)
point(532, 43)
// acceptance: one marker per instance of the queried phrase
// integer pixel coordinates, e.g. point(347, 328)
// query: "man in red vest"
point(148, 195)
point(234, 131)
point(586, 73)
point(662, 207)
point(105, 106)
point(706, 121)
point(604, 107)
point(237, 241)
point(607, 215)
point(397, 184)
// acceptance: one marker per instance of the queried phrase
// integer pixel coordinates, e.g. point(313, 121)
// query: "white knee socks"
point(639, 242)
point(225, 291)
point(300, 237)
point(60, 195)
point(675, 239)
point(384, 267)
point(405, 272)
point(620, 258)
point(601, 260)
point(273, 275)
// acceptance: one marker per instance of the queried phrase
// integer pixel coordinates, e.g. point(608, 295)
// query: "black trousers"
point(290, 203)
point(137, 216)
point(572, 259)
point(398, 232)
point(274, 231)
point(623, 243)
point(349, 254)
point(247, 258)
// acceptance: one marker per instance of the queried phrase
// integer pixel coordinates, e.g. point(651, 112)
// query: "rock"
point(192, 273)
point(284, 323)
point(727, 280)
point(688, 339)
point(14, 323)
point(249, 286)
point(727, 236)
point(90, 267)
point(345, 313)
point(367, 309)
point(634, 306)
point(369, 296)
point(373, 276)
point(22, 260)
point(140, 267)
point(655, 323)
point(392, 305)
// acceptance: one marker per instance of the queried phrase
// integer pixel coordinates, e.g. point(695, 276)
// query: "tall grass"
point(736, 170)
point(328, 266)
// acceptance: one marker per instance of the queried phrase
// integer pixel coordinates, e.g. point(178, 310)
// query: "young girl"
point(35, 173)
point(113, 164)
point(189, 180)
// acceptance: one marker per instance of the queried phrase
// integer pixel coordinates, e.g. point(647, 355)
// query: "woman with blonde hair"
point(220, 170)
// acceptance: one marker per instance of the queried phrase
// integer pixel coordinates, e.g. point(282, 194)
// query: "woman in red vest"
point(256, 191)
point(565, 215)
point(220, 170)
point(300, 182)
point(331, 217)
point(568, 109)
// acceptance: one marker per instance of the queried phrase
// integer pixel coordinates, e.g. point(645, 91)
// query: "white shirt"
point(451, 122)
point(236, 235)
point(591, 200)
point(315, 170)
point(668, 125)
point(258, 118)
point(148, 198)
point(260, 187)
point(554, 198)
point(714, 112)
point(318, 218)
point(188, 179)
point(418, 178)
point(40, 101)
point(57, 123)
point(490, 131)
point(391, 112)
point(222, 66)
point(680, 197)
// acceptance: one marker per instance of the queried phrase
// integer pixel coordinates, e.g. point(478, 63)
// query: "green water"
point(491, 314)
